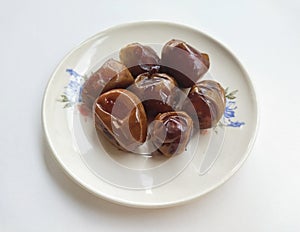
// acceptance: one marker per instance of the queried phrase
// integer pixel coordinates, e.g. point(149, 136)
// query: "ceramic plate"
point(211, 157)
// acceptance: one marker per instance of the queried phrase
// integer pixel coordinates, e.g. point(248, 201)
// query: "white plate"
point(140, 181)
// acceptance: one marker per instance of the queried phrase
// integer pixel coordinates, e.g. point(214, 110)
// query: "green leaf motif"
point(63, 98)
point(230, 95)
point(67, 105)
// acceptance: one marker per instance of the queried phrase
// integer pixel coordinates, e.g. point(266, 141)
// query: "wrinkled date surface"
point(112, 74)
point(139, 58)
point(158, 92)
point(207, 99)
point(121, 116)
point(171, 132)
point(183, 62)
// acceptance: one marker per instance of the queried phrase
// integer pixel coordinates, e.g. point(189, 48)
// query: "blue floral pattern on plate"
point(72, 92)
point(72, 96)
point(229, 115)
point(228, 119)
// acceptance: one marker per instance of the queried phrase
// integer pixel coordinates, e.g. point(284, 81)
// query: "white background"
point(36, 195)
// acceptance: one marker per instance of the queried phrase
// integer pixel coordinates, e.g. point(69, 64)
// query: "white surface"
point(35, 193)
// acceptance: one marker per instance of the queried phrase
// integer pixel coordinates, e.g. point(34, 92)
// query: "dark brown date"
point(139, 59)
point(111, 75)
point(171, 132)
point(207, 99)
point(158, 92)
point(183, 62)
point(120, 116)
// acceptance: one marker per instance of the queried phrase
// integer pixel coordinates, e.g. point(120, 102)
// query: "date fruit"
point(171, 132)
point(158, 92)
point(139, 58)
point(207, 98)
point(112, 74)
point(183, 62)
point(120, 115)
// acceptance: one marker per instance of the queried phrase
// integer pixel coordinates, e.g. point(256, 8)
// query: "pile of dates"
point(158, 99)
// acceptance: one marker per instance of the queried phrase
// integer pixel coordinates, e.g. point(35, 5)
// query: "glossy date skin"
point(120, 116)
point(207, 99)
point(158, 92)
point(143, 93)
point(171, 132)
point(139, 59)
point(112, 74)
point(186, 64)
